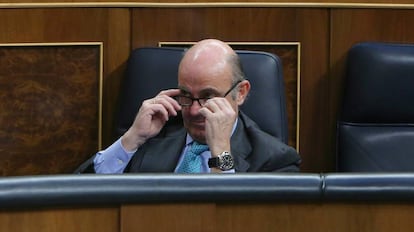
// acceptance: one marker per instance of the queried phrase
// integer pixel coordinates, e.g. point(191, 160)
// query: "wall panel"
point(58, 25)
point(51, 105)
point(241, 217)
point(246, 217)
point(181, 217)
point(61, 219)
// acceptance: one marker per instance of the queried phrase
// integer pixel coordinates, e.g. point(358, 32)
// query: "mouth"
point(198, 123)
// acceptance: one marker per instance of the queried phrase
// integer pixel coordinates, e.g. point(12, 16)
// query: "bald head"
point(211, 49)
point(209, 70)
point(211, 56)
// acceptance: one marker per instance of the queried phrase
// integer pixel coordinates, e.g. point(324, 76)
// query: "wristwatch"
point(224, 161)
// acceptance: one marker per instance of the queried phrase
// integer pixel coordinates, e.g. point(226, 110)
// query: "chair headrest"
point(379, 83)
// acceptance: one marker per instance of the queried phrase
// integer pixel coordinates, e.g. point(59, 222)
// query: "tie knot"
point(198, 148)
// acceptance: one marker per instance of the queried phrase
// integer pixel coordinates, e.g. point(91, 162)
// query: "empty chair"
point(376, 123)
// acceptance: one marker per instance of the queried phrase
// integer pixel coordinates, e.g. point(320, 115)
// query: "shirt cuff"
point(114, 159)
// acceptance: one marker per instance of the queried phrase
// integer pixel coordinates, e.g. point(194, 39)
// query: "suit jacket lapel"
point(240, 147)
point(163, 153)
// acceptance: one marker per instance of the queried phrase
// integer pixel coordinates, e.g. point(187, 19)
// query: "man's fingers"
point(168, 103)
point(170, 92)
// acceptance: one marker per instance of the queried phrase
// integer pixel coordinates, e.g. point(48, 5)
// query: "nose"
point(195, 107)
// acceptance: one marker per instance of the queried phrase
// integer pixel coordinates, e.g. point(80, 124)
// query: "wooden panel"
point(117, 50)
point(169, 217)
point(316, 217)
point(289, 55)
point(110, 26)
point(350, 26)
point(247, 217)
point(358, 25)
point(309, 27)
point(51, 106)
point(62, 220)
point(240, 217)
point(313, 33)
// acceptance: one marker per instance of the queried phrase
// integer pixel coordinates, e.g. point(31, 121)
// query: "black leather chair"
point(376, 125)
point(152, 69)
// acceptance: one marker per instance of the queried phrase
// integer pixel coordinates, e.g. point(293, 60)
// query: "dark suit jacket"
point(253, 151)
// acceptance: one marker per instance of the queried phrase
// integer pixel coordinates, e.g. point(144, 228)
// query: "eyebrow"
point(183, 90)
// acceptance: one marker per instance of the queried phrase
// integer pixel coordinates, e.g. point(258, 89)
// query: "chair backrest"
point(152, 69)
point(376, 125)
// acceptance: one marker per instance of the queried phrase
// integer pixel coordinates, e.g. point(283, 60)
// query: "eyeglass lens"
point(188, 101)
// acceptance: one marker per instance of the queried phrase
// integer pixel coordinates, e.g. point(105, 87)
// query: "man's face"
point(203, 85)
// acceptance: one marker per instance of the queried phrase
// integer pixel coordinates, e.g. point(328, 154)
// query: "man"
point(211, 87)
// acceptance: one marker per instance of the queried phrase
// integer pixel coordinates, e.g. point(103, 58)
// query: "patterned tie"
point(192, 160)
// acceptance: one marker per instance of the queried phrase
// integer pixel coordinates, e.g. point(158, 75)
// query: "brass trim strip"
point(298, 95)
point(101, 80)
point(204, 4)
point(51, 44)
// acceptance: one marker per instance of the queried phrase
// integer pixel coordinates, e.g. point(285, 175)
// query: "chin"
point(198, 135)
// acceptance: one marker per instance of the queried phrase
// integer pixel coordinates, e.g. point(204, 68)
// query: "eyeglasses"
point(188, 101)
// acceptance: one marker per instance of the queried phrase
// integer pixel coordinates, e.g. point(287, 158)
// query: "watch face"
point(226, 161)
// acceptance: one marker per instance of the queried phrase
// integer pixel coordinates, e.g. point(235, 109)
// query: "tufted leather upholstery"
point(376, 125)
point(152, 69)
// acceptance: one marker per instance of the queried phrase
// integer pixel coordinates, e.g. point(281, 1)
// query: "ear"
point(244, 88)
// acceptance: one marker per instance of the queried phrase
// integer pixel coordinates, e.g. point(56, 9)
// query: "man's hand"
point(220, 118)
point(151, 117)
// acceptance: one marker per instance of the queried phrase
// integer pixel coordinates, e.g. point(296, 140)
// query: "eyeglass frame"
point(205, 99)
